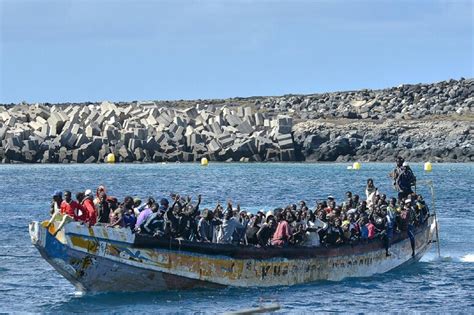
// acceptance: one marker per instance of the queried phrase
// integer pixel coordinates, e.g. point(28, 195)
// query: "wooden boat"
point(114, 259)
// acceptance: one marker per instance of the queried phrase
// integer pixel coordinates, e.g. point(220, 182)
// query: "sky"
point(117, 50)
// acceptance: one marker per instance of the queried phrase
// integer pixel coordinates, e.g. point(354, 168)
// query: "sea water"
point(439, 284)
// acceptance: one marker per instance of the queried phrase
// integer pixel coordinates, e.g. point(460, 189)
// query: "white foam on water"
point(467, 258)
point(431, 257)
point(79, 294)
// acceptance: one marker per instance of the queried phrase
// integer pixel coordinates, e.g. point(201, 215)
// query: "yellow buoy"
point(110, 158)
point(428, 167)
point(356, 166)
point(204, 161)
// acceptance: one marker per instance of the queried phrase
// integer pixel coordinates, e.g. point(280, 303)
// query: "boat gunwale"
point(254, 252)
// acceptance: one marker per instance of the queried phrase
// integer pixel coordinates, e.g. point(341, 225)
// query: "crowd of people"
point(355, 220)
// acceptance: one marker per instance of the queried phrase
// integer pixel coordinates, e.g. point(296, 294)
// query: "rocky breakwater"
point(421, 122)
point(142, 132)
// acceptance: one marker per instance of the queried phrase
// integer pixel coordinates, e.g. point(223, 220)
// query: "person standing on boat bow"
point(403, 178)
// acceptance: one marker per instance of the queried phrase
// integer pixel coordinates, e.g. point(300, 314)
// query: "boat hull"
point(105, 259)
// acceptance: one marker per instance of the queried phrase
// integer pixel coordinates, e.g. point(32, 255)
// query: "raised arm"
point(229, 206)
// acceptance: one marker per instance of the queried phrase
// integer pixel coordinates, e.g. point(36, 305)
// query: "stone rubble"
point(421, 122)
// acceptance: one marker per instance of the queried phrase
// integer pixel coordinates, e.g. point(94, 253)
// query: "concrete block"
point(159, 157)
point(233, 120)
point(172, 128)
point(193, 139)
point(287, 155)
point(91, 118)
point(256, 158)
point(216, 129)
point(140, 133)
point(13, 154)
point(191, 112)
point(135, 143)
point(90, 132)
point(99, 120)
point(41, 120)
point(188, 157)
point(219, 120)
point(229, 129)
point(286, 144)
point(48, 156)
point(42, 113)
point(139, 154)
point(90, 159)
point(284, 123)
point(154, 112)
point(272, 155)
point(151, 144)
point(179, 130)
point(151, 120)
point(111, 133)
point(245, 128)
point(189, 130)
point(35, 125)
point(125, 137)
point(4, 116)
point(248, 111)
point(3, 131)
point(259, 120)
point(164, 119)
point(226, 141)
point(71, 141)
point(199, 148)
point(213, 146)
point(30, 145)
point(107, 106)
point(103, 152)
point(29, 156)
point(226, 111)
point(78, 154)
point(160, 137)
point(81, 139)
point(56, 123)
point(124, 154)
point(76, 129)
point(179, 121)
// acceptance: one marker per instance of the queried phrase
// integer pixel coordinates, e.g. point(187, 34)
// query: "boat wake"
point(468, 258)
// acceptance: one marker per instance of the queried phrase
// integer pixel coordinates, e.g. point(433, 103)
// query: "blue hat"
point(164, 201)
point(58, 193)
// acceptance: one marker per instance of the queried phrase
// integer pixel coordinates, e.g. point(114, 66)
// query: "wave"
point(468, 258)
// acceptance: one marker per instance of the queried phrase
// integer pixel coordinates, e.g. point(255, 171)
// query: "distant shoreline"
point(421, 122)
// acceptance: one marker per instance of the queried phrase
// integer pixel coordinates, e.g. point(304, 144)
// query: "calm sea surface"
point(29, 284)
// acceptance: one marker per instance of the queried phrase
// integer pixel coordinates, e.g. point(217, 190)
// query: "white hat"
point(269, 213)
point(88, 193)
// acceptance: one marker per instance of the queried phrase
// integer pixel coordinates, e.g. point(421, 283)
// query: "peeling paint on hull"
point(105, 259)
